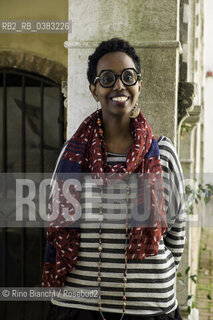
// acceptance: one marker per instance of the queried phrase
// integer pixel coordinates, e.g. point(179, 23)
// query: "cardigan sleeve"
point(174, 190)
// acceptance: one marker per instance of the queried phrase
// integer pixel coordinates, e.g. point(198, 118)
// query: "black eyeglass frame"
point(118, 76)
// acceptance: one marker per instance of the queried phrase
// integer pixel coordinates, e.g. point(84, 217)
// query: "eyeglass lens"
point(108, 78)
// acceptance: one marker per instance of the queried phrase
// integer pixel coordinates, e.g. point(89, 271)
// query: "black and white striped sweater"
point(151, 282)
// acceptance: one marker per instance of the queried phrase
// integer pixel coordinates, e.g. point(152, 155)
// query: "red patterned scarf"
point(86, 152)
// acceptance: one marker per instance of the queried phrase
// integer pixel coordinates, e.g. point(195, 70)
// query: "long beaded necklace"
point(100, 248)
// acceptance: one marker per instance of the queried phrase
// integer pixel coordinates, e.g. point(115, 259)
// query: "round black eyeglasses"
point(107, 78)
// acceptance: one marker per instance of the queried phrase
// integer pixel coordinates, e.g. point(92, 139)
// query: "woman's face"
point(108, 97)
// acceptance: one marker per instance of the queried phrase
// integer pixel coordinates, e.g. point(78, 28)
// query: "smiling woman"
point(117, 99)
point(130, 250)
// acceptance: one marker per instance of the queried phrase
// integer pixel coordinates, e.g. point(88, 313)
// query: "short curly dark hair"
point(112, 45)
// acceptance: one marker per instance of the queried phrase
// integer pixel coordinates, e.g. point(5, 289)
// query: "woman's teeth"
point(120, 99)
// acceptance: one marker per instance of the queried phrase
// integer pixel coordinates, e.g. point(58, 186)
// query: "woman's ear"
point(93, 91)
point(140, 85)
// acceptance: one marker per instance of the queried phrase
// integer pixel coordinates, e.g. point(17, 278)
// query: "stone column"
point(190, 160)
point(152, 27)
point(190, 122)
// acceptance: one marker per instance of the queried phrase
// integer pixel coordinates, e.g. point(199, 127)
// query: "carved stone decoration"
point(186, 92)
point(64, 92)
point(194, 116)
point(26, 61)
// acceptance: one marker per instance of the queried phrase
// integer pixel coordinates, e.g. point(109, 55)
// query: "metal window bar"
point(4, 167)
point(4, 125)
point(23, 147)
point(42, 127)
point(4, 256)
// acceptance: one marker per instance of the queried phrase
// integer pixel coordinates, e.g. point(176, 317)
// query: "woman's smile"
point(119, 98)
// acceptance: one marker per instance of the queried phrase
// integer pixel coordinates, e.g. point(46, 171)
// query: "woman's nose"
point(118, 85)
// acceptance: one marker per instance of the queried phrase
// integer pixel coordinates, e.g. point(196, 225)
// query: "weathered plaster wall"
point(136, 20)
point(49, 45)
point(151, 26)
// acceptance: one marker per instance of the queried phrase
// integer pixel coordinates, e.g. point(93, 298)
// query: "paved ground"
point(205, 275)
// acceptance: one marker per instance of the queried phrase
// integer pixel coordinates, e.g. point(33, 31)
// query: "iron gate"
point(32, 133)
